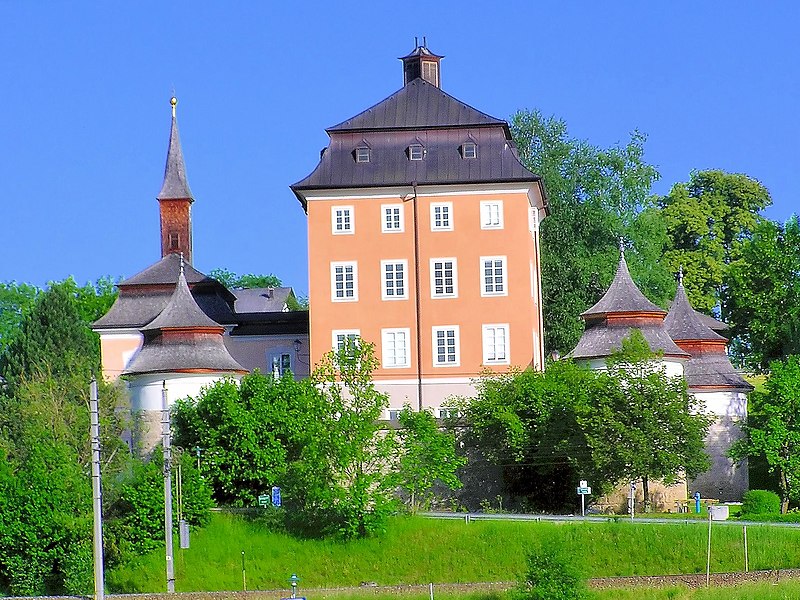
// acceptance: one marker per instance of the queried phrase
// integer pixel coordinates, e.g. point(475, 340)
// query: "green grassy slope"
point(416, 550)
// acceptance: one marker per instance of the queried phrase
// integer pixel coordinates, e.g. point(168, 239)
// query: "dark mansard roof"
point(420, 113)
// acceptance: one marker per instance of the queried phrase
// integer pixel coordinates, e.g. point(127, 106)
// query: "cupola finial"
point(680, 275)
point(173, 102)
point(182, 263)
point(621, 247)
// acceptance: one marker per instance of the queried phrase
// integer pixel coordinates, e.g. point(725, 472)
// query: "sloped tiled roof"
point(165, 272)
point(684, 323)
point(600, 341)
point(182, 311)
point(623, 296)
point(713, 370)
point(202, 350)
point(417, 105)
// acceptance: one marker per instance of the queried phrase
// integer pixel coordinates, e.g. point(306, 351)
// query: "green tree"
point(708, 219)
point(528, 423)
point(344, 481)
point(15, 300)
point(52, 340)
point(596, 196)
point(773, 427)
point(248, 433)
point(428, 456)
point(762, 295)
point(652, 429)
point(551, 575)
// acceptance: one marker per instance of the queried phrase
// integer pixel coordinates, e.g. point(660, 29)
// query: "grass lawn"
point(419, 551)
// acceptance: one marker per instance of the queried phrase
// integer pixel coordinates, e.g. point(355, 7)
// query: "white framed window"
point(469, 150)
point(494, 278)
point(442, 216)
point(492, 214)
point(446, 346)
point(495, 344)
point(340, 337)
point(444, 278)
point(280, 363)
point(446, 412)
point(394, 274)
point(392, 218)
point(362, 154)
point(394, 414)
point(342, 221)
point(344, 281)
point(416, 152)
point(394, 344)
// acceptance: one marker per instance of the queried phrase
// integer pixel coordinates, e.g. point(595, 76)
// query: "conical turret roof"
point(175, 186)
point(623, 296)
point(684, 323)
point(183, 339)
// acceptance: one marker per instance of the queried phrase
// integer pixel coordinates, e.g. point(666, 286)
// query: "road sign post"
point(583, 491)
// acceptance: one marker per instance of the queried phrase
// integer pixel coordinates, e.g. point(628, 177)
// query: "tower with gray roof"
point(711, 377)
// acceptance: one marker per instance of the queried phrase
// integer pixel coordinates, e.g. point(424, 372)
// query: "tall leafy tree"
point(596, 196)
point(428, 457)
point(708, 220)
point(762, 295)
point(344, 481)
point(240, 282)
point(652, 429)
point(773, 427)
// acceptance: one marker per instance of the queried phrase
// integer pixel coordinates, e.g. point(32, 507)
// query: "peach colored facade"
point(453, 345)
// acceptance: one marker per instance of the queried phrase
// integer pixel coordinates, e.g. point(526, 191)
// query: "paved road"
point(467, 517)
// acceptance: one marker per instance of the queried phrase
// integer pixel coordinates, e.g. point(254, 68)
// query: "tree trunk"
point(646, 493)
point(784, 492)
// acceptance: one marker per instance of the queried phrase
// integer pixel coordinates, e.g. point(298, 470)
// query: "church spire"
point(175, 198)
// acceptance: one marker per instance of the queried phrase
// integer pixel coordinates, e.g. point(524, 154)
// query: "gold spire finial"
point(174, 102)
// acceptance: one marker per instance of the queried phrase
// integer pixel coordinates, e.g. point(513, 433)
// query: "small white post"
point(431, 588)
point(746, 565)
point(708, 559)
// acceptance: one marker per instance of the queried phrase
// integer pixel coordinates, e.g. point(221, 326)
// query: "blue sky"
point(84, 107)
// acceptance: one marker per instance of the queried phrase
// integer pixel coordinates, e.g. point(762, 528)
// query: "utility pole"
point(165, 432)
point(97, 494)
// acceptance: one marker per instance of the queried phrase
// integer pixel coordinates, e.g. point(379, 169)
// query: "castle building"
point(689, 348)
point(423, 238)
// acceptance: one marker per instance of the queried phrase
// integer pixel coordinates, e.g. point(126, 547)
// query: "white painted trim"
point(352, 229)
point(486, 211)
point(434, 295)
point(401, 192)
point(482, 272)
point(449, 207)
point(394, 261)
point(457, 338)
point(444, 380)
point(344, 264)
point(119, 334)
point(396, 330)
point(402, 227)
point(345, 332)
point(507, 344)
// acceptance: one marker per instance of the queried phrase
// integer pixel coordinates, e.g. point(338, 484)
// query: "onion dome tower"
point(711, 378)
point(175, 199)
point(184, 351)
point(622, 309)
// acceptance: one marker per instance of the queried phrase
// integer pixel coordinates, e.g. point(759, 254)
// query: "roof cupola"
point(175, 199)
point(421, 63)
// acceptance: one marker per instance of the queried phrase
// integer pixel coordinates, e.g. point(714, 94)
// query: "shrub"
point(761, 502)
point(551, 575)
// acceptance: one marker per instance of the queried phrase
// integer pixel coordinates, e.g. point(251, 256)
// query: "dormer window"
point(416, 152)
point(362, 154)
point(469, 150)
